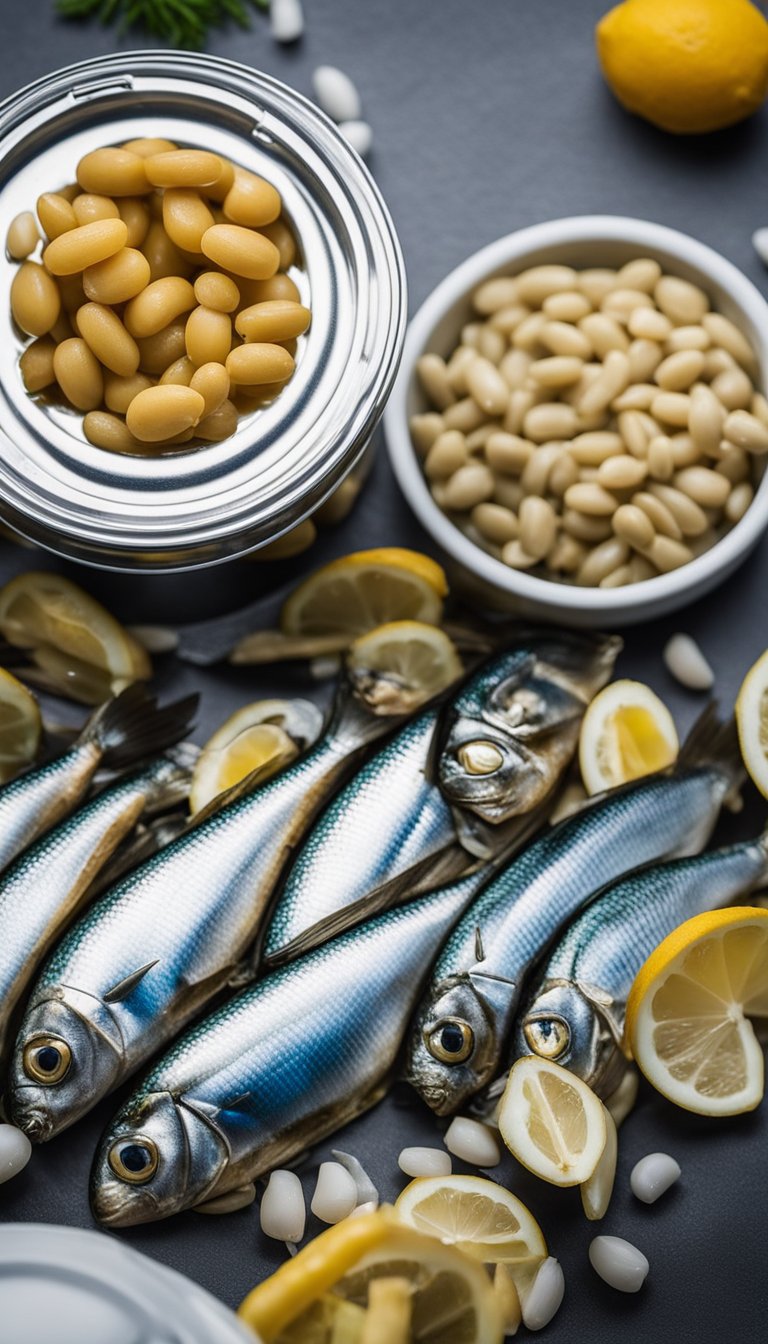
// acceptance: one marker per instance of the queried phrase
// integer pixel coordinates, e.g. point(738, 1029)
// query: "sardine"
point(45, 887)
point(458, 1038)
point(157, 947)
point(447, 789)
point(575, 1012)
point(124, 731)
point(275, 1069)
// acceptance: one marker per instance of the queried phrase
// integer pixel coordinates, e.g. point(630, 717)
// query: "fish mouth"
point(435, 1096)
point(36, 1124)
point(111, 1209)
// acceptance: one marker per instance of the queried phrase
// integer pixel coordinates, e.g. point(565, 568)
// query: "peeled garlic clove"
point(359, 135)
point(596, 1192)
point(335, 1193)
point(15, 1152)
point(425, 1162)
point(472, 1142)
point(687, 663)
point(336, 93)
point(760, 244)
point(619, 1263)
point(545, 1295)
point(286, 20)
point(653, 1175)
point(366, 1190)
point(282, 1211)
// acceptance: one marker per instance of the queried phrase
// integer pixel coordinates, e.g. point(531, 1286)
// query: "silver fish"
point(45, 887)
point(137, 966)
point(575, 1012)
point(120, 733)
point(457, 1041)
point(275, 1069)
point(408, 821)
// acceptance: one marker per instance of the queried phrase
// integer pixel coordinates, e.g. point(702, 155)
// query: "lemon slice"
point(596, 1192)
point(84, 650)
point(263, 736)
point(451, 1294)
point(415, 660)
point(752, 722)
point(687, 1013)
point(552, 1122)
point(477, 1215)
point(359, 591)
point(627, 732)
point(20, 726)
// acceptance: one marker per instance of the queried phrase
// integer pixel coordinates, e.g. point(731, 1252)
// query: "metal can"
point(195, 508)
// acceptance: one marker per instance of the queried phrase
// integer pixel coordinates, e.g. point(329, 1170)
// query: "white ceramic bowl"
point(588, 240)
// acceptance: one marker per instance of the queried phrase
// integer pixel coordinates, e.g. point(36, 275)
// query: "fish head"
point(572, 1025)
point(453, 1048)
point(67, 1056)
point(510, 733)
point(157, 1157)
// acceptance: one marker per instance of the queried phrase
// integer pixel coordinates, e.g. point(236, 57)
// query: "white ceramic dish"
point(582, 241)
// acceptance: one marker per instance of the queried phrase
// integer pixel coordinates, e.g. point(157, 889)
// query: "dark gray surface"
point(487, 116)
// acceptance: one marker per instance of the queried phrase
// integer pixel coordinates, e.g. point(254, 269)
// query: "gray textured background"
point(487, 115)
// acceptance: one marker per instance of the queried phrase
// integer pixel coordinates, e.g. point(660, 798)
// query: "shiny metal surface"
point(198, 507)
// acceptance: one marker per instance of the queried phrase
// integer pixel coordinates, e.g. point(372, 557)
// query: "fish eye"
point(47, 1060)
point(452, 1042)
point(548, 1037)
point(134, 1160)
point(480, 758)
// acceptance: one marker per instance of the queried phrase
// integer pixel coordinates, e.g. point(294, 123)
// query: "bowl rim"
point(492, 259)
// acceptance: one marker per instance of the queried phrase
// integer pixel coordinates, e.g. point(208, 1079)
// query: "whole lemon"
point(686, 65)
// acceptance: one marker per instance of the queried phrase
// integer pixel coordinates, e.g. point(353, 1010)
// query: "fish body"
point(120, 733)
point(575, 1011)
point(48, 882)
point(275, 1069)
point(445, 787)
point(135, 968)
point(457, 1042)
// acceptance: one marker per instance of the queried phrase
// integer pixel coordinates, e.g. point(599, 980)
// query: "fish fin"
point(146, 841)
point(124, 987)
point(131, 726)
point(436, 870)
point(229, 1202)
point(712, 741)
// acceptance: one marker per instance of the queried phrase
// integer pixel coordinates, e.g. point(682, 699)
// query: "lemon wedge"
point(368, 588)
point(256, 737)
point(418, 659)
point(20, 726)
point(627, 732)
point(688, 1012)
point(84, 651)
point(451, 1294)
point(480, 1217)
point(552, 1122)
point(752, 722)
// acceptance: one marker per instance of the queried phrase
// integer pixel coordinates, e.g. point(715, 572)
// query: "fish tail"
point(170, 777)
point(712, 741)
point(132, 727)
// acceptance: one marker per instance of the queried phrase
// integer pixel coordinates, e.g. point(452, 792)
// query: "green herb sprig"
point(182, 23)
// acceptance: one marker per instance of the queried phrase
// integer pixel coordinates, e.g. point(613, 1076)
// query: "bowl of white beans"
point(580, 420)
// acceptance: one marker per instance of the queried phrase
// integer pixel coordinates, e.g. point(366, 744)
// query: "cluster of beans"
point(597, 425)
point(161, 307)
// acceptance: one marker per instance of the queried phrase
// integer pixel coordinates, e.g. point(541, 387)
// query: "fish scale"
point(474, 990)
point(584, 984)
point(279, 1066)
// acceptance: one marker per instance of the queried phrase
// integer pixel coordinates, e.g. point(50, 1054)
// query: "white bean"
point(507, 452)
point(612, 381)
point(517, 558)
point(678, 371)
point(551, 420)
point(619, 1263)
point(538, 282)
point(706, 417)
point(425, 1162)
point(726, 334)
point(286, 24)
point(282, 1212)
point(545, 1295)
point(703, 486)
point(335, 1193)
point(486, 385)
point(495, 523)
point(433, 376)
point(425, 429)
point(603, 333)
point(336, 93)
point(447, 454)
point(470, 485)
point(653, 1175)
point(733, 388)
point(15, 1151)
point(738, 502)
point(500, 292)
point(746, 431)
point(683, 303)
point(687, 663)
point(538, 526)
point(760, 244)
point(358, 134)
point(471, 1141)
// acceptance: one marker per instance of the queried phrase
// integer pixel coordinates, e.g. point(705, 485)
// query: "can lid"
point(82, 1287)
point(220, 500)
